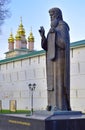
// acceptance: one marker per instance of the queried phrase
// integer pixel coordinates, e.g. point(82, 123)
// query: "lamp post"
point(32, 88)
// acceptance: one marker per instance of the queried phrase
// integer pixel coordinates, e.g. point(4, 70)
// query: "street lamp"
point(32, 88)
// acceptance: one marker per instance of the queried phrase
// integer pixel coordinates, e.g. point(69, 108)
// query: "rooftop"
point(35, 53)
point(30, 54)
point(77, 44)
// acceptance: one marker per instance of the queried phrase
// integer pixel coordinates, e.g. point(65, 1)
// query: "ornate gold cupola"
point(11, 42)
point(11, 38)
point(18, 36)
point(31, 41)
point(21, 29)
point(21, 41)
point(31, 37)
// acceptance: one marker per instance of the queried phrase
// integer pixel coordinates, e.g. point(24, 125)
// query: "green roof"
point(77, 44)
point(30, 54)
point(41, 52)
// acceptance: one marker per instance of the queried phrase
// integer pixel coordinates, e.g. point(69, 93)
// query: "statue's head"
point(55, 13)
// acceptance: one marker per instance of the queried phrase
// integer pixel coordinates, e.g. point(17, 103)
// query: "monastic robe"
point(57, 46)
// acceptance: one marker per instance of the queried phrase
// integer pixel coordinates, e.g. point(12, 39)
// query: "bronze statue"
point(57, 47)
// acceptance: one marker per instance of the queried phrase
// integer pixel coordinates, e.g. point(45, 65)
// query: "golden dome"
point(18, 36)
point(11, 39)
point(21, 29)
point(31, 37)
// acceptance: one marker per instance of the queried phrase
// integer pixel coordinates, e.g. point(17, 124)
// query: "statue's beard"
point(54, 23)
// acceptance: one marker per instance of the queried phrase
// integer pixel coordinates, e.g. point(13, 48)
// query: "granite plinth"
point(44, 121)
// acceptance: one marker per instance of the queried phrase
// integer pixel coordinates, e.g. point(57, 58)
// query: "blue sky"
point(35, 14)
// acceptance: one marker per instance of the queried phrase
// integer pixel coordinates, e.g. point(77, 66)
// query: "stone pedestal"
point(43, 120)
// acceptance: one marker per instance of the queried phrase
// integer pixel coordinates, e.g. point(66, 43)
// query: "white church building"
point(24, 66)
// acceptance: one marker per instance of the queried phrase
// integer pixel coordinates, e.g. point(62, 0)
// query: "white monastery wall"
point(15, 78)
point(17, 75)
point(77, 79)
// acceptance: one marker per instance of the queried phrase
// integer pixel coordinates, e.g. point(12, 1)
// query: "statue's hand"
point(42, 31)
point(52, 30)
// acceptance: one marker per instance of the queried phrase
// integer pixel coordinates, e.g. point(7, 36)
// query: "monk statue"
point(57, 47)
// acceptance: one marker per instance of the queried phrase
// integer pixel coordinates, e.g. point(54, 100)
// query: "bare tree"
point(4, 11)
